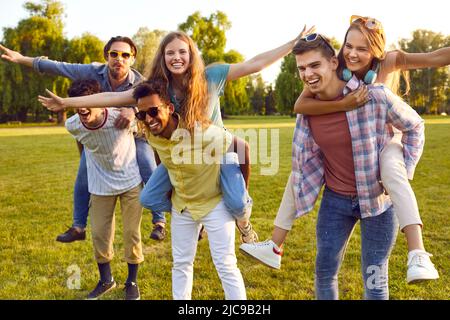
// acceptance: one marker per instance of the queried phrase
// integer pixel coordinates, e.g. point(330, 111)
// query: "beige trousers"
point(101, 212)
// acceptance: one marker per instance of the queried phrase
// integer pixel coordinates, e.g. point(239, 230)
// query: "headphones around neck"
point(369, 78)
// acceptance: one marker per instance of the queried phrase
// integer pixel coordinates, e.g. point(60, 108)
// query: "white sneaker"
point(266, 252)
point(420, 267)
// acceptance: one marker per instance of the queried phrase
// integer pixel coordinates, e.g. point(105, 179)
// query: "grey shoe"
point(158, 232)
point(132, 291)
point(101, 289)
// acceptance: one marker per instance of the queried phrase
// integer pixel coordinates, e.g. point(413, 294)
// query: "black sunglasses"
point(152, 112)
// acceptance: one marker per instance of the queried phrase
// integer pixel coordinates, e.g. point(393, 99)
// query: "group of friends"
point(354, 135)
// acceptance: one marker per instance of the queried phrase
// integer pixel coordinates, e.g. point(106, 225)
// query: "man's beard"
point(117, 75)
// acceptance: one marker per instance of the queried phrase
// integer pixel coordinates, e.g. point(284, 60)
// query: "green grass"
point(38, 169)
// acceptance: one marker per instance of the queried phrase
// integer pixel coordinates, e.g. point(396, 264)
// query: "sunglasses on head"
point(314, 36)
point(369, 23)
point(152, 112)
point(114, 54)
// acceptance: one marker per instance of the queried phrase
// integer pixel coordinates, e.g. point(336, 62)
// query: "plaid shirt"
point(371, 127)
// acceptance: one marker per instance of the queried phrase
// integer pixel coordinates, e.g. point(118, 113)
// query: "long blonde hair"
point(377, 43)
point(194, 107)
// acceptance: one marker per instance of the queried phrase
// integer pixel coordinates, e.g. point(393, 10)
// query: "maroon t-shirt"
point(331, 133)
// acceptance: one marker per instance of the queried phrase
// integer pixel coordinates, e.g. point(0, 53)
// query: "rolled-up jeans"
point(337, 217)
point(154, 196)
point(81, 196)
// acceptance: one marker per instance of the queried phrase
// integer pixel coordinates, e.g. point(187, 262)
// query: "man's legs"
point(81, 197)
point(335, 224)
point(378, 235)
point(221, 235)
point(184, 247)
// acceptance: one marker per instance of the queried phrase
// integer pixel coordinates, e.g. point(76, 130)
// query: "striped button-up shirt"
point(110, 155)
point(371, 127)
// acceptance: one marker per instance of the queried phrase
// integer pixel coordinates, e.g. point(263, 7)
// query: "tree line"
point(42, 34)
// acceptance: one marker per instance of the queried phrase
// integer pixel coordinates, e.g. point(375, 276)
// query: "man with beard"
point(114, 75)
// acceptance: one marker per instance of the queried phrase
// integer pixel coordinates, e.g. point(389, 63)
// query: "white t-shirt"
point(110, 155)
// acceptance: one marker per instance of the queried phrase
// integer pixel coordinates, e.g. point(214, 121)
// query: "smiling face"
point(119, 66)
point(158, 124)
point(91, 117)
point(177, 57)
point(356, 52)
point(316, 71)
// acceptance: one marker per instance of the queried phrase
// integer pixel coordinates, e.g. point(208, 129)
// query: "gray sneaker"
point(132, 291)
point(101, 289)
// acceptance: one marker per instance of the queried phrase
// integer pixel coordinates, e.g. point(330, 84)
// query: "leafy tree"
point(39, 34)
point(147, 43)
point(208, 33)
point(256, 91)
point(429, 87)
point(287, 85)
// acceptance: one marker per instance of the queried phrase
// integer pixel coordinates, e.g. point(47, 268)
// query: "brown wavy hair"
point(194, 107)
point(377, 43)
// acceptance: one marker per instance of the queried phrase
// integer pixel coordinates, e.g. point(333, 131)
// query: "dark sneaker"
point(101, 289)
point(158, 232)
point(132, 291)
point(71, 235)
point(202, 233)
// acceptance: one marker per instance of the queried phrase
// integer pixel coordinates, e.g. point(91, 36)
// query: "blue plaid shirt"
point(371, 127)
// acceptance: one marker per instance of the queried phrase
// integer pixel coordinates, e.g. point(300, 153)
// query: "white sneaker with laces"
point(420, 267)
point(267, 252)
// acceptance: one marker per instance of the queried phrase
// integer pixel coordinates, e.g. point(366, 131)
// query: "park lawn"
point(37, 174)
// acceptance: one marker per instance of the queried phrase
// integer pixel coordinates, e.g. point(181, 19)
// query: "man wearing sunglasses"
point(114, 75)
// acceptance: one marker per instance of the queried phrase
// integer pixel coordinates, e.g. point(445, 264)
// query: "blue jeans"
point(337, 217)
point(154, 196)
point(81, 195)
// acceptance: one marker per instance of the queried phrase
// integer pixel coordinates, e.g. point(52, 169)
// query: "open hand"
point(11, 55)
point(52, 103)
point(305, 32)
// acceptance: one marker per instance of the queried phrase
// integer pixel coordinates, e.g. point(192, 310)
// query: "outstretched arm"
point(434, 59)
point(98, 100)
point(16, 57)
point(265, 59)
point(306, 104)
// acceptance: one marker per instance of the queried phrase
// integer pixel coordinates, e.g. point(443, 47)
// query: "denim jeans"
point(81, 195)
point(235, 195)
point(337, 217)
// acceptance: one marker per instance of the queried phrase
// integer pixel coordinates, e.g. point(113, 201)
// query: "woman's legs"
point(395, 181)
point(269, 252)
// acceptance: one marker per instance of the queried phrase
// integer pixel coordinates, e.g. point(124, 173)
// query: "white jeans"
point(395, 181)
point(286, 213)
point(220, 226)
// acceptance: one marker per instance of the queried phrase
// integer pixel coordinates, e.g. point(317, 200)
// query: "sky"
point(257, 25)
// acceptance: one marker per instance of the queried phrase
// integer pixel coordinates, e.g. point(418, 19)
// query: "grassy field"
point(37, 170)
